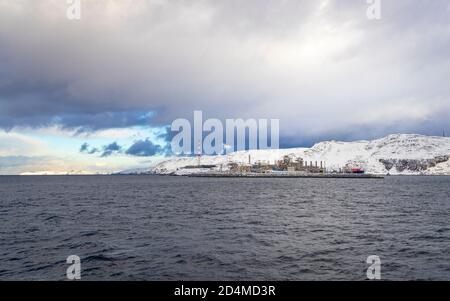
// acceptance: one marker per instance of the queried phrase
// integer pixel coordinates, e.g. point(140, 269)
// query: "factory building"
point(287, 164)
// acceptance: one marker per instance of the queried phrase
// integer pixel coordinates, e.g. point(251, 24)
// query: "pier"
point(284, 175)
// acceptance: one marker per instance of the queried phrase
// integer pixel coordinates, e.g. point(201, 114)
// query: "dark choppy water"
point(172, 228)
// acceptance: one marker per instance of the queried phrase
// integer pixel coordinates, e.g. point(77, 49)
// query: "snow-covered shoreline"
point(399, 154)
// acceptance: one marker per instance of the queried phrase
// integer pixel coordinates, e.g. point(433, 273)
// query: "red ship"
point(357, 170)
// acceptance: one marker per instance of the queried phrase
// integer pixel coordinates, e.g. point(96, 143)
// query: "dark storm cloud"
point(145, 148)
point(105, 120)
point(83, 122)
point(106, 150)
point(84, 148)
point(140, 148)
point(110, 149)
point(166, 134)
point(321, 67)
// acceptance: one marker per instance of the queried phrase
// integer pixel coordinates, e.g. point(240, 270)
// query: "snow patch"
point(370, 155)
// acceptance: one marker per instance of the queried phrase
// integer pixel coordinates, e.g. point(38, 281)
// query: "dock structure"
point(285, 175)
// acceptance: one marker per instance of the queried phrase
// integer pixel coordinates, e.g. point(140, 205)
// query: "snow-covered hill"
point(395, 154)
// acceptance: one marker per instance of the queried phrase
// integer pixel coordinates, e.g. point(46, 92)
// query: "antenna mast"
point(199, 154)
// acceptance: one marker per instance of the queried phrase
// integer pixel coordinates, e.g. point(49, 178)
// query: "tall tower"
point(199, 153)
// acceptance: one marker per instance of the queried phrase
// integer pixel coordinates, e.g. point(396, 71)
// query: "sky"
point(96, 95)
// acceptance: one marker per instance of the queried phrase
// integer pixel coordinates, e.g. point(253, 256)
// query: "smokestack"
point(199, 153)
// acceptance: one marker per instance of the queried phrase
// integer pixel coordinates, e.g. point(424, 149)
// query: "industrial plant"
point(288, 166)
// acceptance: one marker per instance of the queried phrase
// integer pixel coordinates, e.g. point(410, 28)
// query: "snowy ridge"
point(407, 154)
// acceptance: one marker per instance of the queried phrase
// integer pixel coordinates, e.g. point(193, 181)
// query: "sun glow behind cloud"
point(53, 150)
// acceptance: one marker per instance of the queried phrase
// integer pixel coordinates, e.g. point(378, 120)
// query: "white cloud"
point(308, 63)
